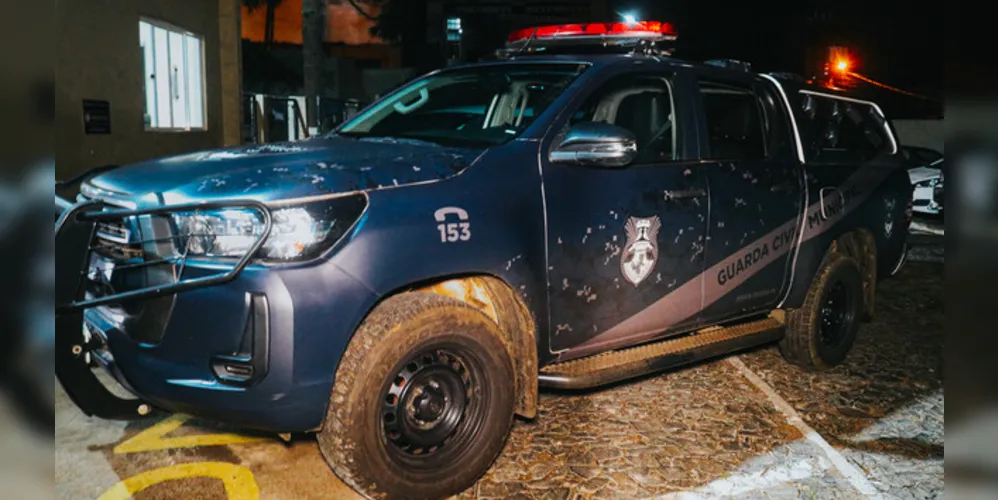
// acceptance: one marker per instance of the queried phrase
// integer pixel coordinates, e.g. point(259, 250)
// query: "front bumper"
point(258, 351)
point(213, 327)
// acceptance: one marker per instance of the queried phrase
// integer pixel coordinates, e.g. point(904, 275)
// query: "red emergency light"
point(654, 30)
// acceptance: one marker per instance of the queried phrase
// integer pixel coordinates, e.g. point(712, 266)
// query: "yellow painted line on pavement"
point(238, 480)
point(152, 439)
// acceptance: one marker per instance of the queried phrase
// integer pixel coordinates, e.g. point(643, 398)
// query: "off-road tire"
point(802, 344)
point(354, 439)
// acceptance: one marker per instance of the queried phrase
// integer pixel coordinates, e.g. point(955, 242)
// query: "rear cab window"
point(843, 130)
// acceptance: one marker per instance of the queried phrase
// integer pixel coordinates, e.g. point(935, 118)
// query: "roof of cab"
point(791, 83)
point(596, 60)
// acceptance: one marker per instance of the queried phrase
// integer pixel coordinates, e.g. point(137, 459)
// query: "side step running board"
point(614, 366)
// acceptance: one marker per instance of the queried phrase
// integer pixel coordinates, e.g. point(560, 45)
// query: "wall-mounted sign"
point(96, 117)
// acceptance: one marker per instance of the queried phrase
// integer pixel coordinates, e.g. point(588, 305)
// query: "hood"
point(920, 174)
point(279, 171)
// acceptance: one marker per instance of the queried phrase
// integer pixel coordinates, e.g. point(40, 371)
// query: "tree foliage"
point(256, 4)
point(271, 6)
point(389, 17)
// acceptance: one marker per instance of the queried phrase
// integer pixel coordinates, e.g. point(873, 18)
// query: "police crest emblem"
point(889, 218)
point(641, 251)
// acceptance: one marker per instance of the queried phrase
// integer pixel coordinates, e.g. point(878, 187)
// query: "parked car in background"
point(926, 167)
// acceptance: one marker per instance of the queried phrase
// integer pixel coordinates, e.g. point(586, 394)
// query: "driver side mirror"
point(597, 144)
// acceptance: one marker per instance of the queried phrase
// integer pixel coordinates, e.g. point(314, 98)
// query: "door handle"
point(684, 194)
point(821, 195)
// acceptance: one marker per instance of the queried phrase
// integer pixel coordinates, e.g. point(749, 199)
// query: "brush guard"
point(76, 241)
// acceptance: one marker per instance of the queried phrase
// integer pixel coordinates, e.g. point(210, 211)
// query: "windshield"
point(470, 107)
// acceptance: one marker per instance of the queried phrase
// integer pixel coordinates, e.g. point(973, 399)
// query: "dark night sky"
point(895, 42)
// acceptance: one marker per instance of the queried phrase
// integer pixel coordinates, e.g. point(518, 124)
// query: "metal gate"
point(268, 118)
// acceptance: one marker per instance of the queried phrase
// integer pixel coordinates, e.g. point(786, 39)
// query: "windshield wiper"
point(349, 135)
point(399, 138)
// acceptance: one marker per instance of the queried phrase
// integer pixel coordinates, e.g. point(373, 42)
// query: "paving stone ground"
point(884, 406)
point(700, 432)
point(659, 435)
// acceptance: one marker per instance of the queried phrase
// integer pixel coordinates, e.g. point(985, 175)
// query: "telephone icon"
point(451, 232)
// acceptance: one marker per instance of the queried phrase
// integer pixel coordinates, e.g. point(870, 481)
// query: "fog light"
point(237, 371)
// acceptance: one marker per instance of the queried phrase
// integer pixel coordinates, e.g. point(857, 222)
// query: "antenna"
point(529, 39)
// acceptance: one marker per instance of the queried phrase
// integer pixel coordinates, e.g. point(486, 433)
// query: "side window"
point(843, 131)
point(735, 121)
point(640, 103)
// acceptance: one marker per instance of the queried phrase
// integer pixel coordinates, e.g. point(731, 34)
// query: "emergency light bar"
point(652, 31)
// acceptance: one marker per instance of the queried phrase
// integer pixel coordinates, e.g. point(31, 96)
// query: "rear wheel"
point(423, 399)
point(822, 331)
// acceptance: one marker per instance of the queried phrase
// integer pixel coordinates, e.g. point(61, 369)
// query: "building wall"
point(98, 56)
point(231, 63)
point(923, 133)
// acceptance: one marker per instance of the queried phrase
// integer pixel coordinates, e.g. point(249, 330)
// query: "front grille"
point(120, 261)
point(136, 264)
point(113, 239)
point(113, 231)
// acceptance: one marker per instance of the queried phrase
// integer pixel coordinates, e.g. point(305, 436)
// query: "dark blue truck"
point(404, 285)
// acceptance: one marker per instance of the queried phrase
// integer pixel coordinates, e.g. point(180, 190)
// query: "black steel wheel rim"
point(836, 314)
point(431, 406)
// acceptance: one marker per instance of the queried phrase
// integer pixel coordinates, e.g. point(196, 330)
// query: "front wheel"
point(423, 399)
point(821, 332)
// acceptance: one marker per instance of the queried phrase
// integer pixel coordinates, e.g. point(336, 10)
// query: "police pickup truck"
point(565, 216)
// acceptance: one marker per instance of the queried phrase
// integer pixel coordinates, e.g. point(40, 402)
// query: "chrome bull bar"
point(74, 242)
point(76, 232)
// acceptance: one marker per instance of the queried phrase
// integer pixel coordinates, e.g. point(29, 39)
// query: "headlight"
point(933, 182)
point(297, 233)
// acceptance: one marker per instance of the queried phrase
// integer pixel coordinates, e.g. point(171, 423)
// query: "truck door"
point(626, 244)
point(756, 199)
point(852, 181)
